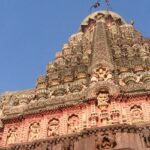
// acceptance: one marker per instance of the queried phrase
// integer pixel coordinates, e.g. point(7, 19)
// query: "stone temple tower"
point(94, 96)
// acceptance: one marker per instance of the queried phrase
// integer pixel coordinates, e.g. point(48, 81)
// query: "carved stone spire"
point(101, 53)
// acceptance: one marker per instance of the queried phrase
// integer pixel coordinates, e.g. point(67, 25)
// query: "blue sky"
point(31, 31)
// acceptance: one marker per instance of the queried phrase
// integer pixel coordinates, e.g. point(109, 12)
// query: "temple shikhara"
point(94, 96)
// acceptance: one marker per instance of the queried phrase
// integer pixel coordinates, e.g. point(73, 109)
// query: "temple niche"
point(103, 99)
point(101, 74)
point(34, 131)
point(11, 135)
point(102, 103)
point(73, 124)
point(136, 114)
point(53, 128)
point(115, 116)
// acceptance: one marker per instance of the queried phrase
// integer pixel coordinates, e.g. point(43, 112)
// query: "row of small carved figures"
point(25, 98)
point(132, 50)
point(142, 78)
point(103, 137)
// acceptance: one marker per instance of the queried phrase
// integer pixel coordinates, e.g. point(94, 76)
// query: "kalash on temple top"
point(100, 78)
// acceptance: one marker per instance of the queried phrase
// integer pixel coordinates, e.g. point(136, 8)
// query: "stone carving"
point(60, 91)
point(101, 74)
point(117, 51)
point(60, 61)
point(68, 144)
point(67, 51)
point(105, 141)
point(125, 55)
point(53, 128)
point(114, 31)
point(93, 119)
point(144, 51)
point(146, 137)
point(136, 113)
point(75, 39)
point(86, 45)
point(11, 135)
point(145, 77)
point(102, 100)
point(127, 31)
point(34, 131)
point(136, 49)
point(81, 72)
point(41, 88)
point(115, 116)
point(73, 124)
point(51, 68)
point(54, 79)
point(68, 75)
point(128, 79)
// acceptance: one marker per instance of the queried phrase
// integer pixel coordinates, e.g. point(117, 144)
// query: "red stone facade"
point(95, 96)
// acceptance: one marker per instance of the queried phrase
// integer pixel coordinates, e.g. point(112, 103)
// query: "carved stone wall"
point(101, 112)
point(120, 137)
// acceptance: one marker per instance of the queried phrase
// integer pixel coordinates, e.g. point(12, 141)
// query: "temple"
point(94, 96)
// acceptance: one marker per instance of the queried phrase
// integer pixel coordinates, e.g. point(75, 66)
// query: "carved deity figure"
point(136, 113)
point(102, 100)
point(53, 128)
point(73, 124)
point(12, 135)
point(105, 142)
point(34, 131)
point(115, 116)
point(101, 74)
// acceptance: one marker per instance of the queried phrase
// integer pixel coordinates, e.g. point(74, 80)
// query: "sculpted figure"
point(146, 136)
point(136, 113)
point(144, 51)
point(106, 141)
point(94, 77)
point(136, 49)
point(53, 128)
point(66, 50)
point(117, 51)
point(12, 135)
point(147, 47)
point(34, 131)
point(115, 116)
point(114, 31)
point(73, 124)
point(6, 104)
point(101, 74)
point(102, 100)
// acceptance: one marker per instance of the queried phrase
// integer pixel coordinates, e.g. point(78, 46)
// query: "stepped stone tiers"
point(94, 96)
